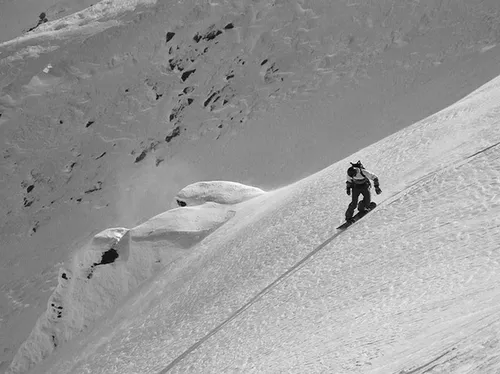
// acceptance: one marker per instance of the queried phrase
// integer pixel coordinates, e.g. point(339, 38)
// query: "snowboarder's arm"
point(370, 175)
point(375, 181)
point(348, 185)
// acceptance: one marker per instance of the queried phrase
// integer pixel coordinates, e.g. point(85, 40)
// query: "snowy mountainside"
point(411, 288)
point(87, 288)
point(107, 113)
point(86, 114)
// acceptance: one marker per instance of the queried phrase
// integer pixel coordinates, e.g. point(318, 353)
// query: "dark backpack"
point(359, 166)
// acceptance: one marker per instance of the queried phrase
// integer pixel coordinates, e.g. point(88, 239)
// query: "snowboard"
point(357, 217)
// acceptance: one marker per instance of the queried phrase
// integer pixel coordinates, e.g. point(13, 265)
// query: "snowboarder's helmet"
point(351, 172)
point(358, 165)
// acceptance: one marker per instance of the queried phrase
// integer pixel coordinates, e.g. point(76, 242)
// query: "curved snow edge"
point(118, 260)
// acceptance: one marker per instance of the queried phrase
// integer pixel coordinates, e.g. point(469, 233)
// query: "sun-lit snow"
point(218, 192)
point(109, 110)
point(118, 260)
point(410, 287)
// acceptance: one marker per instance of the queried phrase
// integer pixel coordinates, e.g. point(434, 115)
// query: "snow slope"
point(411, 288)
point(85, 292)
point(105, 114)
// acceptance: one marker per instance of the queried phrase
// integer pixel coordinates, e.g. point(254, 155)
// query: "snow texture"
point(218, 192)
point(117, 261)
point(108, 110)
point(412, 287)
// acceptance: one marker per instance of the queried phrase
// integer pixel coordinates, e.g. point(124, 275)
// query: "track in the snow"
point(253, 300)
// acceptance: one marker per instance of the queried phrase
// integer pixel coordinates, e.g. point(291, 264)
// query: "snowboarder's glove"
point(377, 187)
point(348, 191)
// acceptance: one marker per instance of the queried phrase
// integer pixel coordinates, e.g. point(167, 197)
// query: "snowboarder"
point(358, 182)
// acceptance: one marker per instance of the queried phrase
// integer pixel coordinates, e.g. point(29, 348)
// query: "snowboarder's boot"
point(363, 210)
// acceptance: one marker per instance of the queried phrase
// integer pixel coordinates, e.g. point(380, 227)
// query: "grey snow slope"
point(106, 114)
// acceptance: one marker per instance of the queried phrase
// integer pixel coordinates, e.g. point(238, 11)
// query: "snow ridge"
point(118, 260)
point(100, 101)
point(94, 109)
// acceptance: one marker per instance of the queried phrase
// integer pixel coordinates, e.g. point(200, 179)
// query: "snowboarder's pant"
point(363, 189)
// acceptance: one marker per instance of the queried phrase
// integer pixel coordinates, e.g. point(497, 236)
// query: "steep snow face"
point(413, 287)
point(114, 264)
point(77, 301)
point(107, 113)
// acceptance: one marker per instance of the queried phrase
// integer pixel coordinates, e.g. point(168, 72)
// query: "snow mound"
point(118, 260)
point(221, 192)
point(183, 226)
point(78, 299)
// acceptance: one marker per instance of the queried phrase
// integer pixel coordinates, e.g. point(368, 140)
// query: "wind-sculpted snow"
point(411, 288)
point(218, 191)
point(182, 227)
point(107, 112)
point(79, 298)
point(118, 260)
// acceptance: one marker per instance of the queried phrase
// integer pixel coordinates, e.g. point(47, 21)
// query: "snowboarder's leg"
point(354, 202)
point(365, 203)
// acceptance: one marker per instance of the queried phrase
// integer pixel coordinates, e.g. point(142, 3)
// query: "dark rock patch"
point(27, 203)
point(54, 339)
point(42, 19)
point(141, 157)
point(71, 166)
point(108, 257)
point(186, 74)
point(212, 35)
point(197, 38)
point(207, 101)
point(57, 310)
point(95, 188)
point(169, 36)
point(175, 132)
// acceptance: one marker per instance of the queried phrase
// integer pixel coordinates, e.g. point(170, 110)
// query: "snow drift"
point(105, 115)
point(218, 192)
point(118, 260)
point(412, 287)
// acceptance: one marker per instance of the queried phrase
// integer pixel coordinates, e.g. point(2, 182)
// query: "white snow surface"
point(411, 288)
point(92, 286)
point(217, 191)
point(110, 109)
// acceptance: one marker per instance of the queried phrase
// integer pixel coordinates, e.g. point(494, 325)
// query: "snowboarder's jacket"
point(361, 177)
